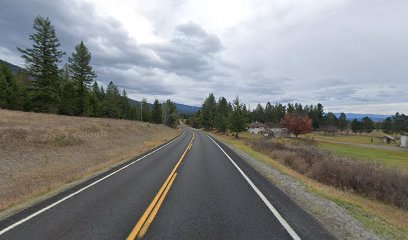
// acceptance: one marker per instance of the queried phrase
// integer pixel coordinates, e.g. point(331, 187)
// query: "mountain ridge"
point(359, 116)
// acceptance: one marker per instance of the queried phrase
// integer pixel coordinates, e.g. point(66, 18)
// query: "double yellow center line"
point(148, 216)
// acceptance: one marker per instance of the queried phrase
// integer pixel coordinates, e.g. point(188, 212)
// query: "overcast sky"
point(349, 55)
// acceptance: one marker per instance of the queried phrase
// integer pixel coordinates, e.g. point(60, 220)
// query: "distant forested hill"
point(181, 108)
point(13, 67)
point(374, 117)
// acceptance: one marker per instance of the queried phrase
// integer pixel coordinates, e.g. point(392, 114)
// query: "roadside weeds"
point(346, 215)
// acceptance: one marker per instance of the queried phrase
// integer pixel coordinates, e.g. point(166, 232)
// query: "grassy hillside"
point(43, 152)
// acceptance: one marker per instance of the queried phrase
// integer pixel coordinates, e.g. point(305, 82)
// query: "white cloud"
point(345, 54)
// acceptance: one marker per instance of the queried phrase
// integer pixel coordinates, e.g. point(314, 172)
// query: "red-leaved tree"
point(297, 124)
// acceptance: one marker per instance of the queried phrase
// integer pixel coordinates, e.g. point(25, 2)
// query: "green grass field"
point(360, 139)
point(391, 158)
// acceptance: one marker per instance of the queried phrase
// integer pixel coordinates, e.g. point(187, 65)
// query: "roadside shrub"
point(363, 177)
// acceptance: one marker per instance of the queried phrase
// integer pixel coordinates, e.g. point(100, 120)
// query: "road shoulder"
point(334, 217)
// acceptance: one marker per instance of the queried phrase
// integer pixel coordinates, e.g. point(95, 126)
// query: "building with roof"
point(404, 141)
point(256, 127)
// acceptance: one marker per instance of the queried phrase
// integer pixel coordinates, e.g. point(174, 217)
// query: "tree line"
point(326, 122)
point(234, 117)
point(298, 119)
point(274, 114)
point(221, 115)
point(73, 89)
point(397, 123)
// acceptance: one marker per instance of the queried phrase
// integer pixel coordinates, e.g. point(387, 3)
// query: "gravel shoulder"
point(334, 217)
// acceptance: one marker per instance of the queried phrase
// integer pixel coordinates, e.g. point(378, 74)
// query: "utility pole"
point(141, 110)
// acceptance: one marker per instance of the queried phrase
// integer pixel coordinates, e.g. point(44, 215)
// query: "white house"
point(404, 141)
point(256, 127)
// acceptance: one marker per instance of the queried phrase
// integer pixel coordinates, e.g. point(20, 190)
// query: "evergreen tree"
point(258, 114)
point(95, 88)
point(42, 60)
point(112, 101)
point(400, 123)
point(170, 114)
point(124, 105)
point(82, 73)
point(221, 115)
point(342, 123)
point(3, 90)
point(316, 113)
point(299, 109)
point(330, 120)
point(208, 112)
point(23, 81)
point(367, 124)
point(356, 126)
point(134, 113)
point(67, 94)
point(387, 125)
point(290, 108)
point(94, 102)
point(238, 119)
point(157, 112)
point(194, 120)
point(278, 113)
point(9, 91)
point(146, 114)
point(268, 113)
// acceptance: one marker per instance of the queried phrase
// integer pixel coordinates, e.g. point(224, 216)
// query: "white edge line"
point(275, 212)
point(80, 190)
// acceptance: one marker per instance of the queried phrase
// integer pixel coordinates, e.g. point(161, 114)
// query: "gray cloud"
point(341, 53)
point(143, 69)
point(190, 52)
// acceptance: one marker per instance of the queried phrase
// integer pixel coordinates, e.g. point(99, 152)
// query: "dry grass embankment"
point(43, 152)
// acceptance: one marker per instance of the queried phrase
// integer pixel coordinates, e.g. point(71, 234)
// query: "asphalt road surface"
point(191, 188)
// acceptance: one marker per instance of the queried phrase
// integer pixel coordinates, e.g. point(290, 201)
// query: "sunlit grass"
point(390, 158)
point(374, 138)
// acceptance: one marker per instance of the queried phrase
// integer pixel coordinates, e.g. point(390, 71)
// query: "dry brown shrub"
point(363, 177)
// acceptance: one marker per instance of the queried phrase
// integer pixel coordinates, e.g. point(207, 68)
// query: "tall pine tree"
point(238, 118)
point(170, 113)
point(82, 74)
point(342, 123)
point(42, 60)
point(157, 112)
point(208, 112)
point(68, 103)
point(145, 111)
point(9, 91)
point(221, 115)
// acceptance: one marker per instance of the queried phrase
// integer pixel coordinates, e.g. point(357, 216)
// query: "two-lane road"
point(200, 190)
